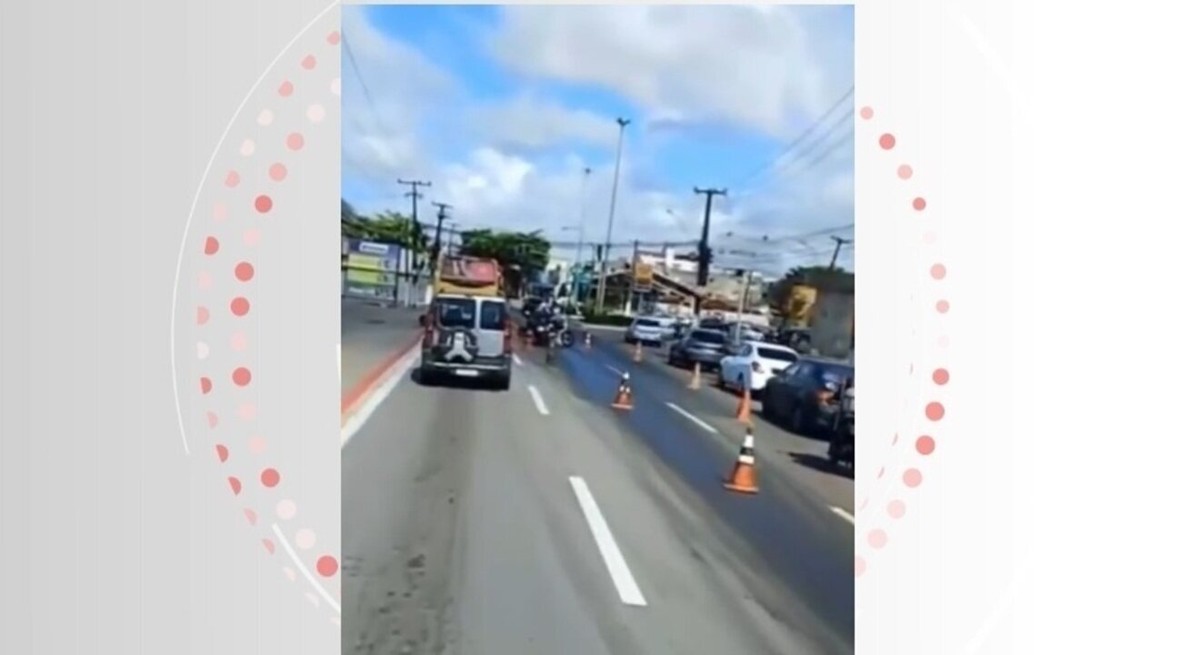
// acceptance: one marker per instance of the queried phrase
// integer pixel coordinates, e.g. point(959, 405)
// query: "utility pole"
point(837, 250)
point(746, 276)
point(634, 291)
point(415, 195)
point(579, 247)
point(437, 234)
point(601, 288)
point(705, 251)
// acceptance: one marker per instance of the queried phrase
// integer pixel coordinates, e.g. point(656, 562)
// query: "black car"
point(803, 397)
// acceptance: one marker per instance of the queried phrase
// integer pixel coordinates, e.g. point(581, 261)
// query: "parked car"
point(647, 330)
point(754, 365)
point(802, 396)
point(701, 345)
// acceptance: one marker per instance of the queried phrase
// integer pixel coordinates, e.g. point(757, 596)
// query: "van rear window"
point(456, 313)
point(493, 315)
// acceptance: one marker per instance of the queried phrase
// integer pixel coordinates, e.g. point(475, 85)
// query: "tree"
point(521, 254)
point(387, 227)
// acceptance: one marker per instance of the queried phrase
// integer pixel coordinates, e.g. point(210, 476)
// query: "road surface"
point(540, 520)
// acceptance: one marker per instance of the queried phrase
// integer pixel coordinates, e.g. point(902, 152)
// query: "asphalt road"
point(370, 334)
point(470, 526)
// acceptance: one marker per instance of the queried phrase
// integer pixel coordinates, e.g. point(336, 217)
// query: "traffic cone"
point(743, 408)
point(637, 352)
point(624, 399)
point(587, 340)
point(695, 383)
point(744, 477)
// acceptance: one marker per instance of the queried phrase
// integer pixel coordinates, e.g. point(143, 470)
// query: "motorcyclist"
point(843, 435)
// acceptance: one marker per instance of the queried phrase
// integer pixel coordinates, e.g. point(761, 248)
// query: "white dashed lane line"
point(517, 360)
point(627, 587)
point(538, 401)
point(842, 513)
point(689, 416)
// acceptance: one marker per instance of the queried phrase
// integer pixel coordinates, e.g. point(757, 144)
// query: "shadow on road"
point(453, 382)
point(821, 464)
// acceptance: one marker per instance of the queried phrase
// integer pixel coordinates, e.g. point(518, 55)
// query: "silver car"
point(647, 330)
point(701, 345)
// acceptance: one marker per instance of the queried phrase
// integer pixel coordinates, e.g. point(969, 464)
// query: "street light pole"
point(601, 287)
point(579, 246)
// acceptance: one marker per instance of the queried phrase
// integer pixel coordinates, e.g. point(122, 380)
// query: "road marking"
point(627, 587)
point(614, 369)
point(689, 416)
point(355, 421)
point(517, 360)
point(306, 570)
point(537, 400)
point(842, 513)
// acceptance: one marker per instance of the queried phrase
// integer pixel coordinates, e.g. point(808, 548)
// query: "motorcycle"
point(841, 443)
point(548, 331)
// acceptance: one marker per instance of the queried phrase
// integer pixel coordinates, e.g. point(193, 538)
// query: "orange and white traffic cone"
point(695, 382)
point(743, 408)
point(587, 340)
point(624, 399)
point(744, 477)
point(637, 352)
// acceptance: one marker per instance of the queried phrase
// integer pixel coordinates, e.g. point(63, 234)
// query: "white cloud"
point(530, 122)
point(761, 67)
point(494, 177)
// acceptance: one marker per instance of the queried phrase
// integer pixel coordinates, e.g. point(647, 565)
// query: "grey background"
point(112, 538)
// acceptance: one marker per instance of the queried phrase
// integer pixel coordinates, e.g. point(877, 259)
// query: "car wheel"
point(798, 422)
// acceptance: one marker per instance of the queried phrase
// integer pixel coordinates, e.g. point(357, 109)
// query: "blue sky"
point(503, 107)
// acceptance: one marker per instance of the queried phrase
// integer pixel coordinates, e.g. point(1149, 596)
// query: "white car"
point(646, 329)
point(753, 365)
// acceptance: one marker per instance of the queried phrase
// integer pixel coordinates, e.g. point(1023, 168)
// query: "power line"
point(800, 139)
point(362, 82)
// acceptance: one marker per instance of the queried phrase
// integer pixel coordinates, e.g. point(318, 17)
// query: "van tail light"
point(508, 334)
point(756, 367)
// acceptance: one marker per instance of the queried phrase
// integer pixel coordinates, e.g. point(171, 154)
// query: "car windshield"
point(647, 322)
point(777, 354)
point(836, 374)
point(706, 336)
point(456, 313)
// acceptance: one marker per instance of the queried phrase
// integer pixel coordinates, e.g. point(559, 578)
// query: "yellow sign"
point(359, 276)
point(643, 274)
point(368, 262)
point(800, 303)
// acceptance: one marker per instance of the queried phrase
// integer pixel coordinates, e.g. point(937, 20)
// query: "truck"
point(468, 332)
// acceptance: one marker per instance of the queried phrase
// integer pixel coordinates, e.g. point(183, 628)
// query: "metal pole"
point(579, 246)
point(737, 328)
point(612, 210)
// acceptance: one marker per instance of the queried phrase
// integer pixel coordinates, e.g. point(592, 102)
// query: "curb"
point(352, 399)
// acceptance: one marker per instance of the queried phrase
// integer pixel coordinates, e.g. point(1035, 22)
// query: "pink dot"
point(238, 341)
point(943, 341)
point(204, 280)
point(877, 538)
point(286, 88)
point(263, 204)
point(887, 142)
point(247, 411)
point(327, 565)
point(905, 171)
point(919, 204)
point(942, 306)
point(277, 172)
point(934, 411)
point(235, 484)
point(867, 113)
point(222, 453)
point(244, 271)
point(205, 385)
point(286, 509)
point(257, 445)
point(211, 246)
point(305, 539)
point(269, 477)
point(201, 315)
point(912, 478)
point(941, 376)
point(938, 271)
point(295, 141)
point(251, 237)
point(309, 62)
point(269, 545)
point(239, 306)
point(925, 444)
point(220, 213)
point(212, 419)
point(896, 509)
point(334, 38)
point(860, 563)
point(251, 516)
point(241, 376)
point(232, 179)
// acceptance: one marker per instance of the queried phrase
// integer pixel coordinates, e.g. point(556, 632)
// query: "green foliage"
point(387, 227)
